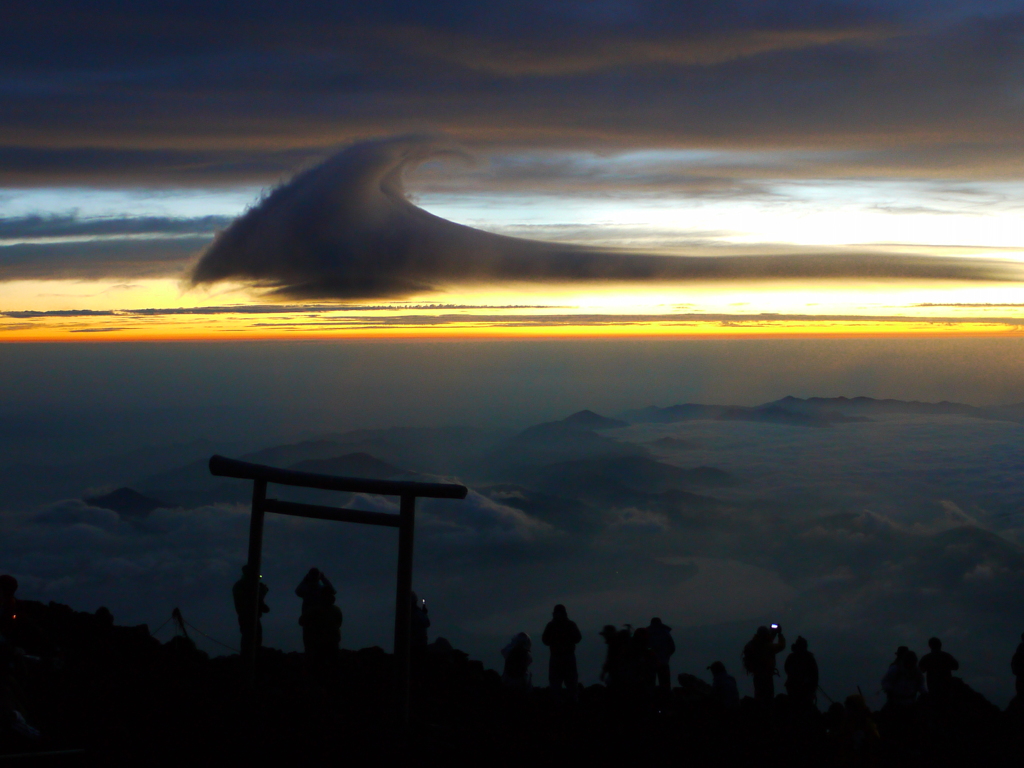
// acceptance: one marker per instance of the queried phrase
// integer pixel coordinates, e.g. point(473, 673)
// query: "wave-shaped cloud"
point(346, 230)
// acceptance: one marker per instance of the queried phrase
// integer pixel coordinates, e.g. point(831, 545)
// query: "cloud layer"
point(346, 230)
point(111, 91)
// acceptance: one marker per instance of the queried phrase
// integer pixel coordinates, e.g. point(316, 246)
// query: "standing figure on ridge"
point(321, 621)
point(615, 672)
point(903, 681)
point(562, 635)
point(659, 637)
point(8, 602)
point(938, 667)
point(420, 622)
point(759, 661)
point(642, 664)
point(518, 659)
point(1017, 667)
point(801, 674)
point(724, 690)
point(313, 585)
point(244, 601)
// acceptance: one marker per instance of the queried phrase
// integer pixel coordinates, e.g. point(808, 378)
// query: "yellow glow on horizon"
point(162, 310)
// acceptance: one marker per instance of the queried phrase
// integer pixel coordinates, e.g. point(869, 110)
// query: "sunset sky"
point(824, 133)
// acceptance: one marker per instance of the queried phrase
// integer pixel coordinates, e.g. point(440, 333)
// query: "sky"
point(643, 168)
point(415, 230)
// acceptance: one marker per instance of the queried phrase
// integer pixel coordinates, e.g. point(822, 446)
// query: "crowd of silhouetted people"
point(923, 695)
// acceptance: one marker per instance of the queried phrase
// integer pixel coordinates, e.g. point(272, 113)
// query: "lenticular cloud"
point(345, 230)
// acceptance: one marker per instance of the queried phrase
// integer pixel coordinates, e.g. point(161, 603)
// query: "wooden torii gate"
point(405, 522)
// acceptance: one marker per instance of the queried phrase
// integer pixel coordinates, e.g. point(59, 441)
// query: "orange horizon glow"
point(646, 330)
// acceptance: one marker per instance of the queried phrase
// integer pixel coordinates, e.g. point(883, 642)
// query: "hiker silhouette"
point(614, 673)
point(8, 602)
point(320, 620)
point(1017, 667)
point(244, 600)
point(801, 674)
point(313, 585)
point(518, 658)
point(562, 636)
point(420, 622)
point(659, 638)
point(903, 680)
point(759, 661)
point(642, 665)
point(724, 690)
point(938, 667)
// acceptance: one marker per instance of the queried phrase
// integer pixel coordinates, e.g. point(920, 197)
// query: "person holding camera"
point(759, 660)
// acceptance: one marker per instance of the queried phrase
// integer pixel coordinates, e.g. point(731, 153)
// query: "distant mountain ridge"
point(358, 464)
point(819, 411)
point(772, 413)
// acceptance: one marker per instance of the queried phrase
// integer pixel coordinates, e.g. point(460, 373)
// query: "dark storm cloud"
point(201, 91)
point(346, 230)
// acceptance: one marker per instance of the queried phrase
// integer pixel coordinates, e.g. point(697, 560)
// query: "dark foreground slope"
point(128, 699)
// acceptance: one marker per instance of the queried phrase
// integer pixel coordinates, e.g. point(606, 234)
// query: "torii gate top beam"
point(225, 467)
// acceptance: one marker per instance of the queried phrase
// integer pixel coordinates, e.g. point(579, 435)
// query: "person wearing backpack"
point(801, 674)
point(1017, 667)
point(562, 636)
point(759, 661)
point(659, 638)
point(518, 659)
point(938, 667)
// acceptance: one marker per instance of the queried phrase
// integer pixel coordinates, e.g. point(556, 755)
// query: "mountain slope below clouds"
point(820, 411)
point(591, 420)
point(126, 502)
point(872, 406)
point(769, 413)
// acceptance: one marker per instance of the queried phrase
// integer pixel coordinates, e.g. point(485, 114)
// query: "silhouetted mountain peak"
point(125, 501)
point(589, 420)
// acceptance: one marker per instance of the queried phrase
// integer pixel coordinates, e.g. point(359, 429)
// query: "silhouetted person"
point(801, 674)
point(938, 667)
point(858, 735)
point(724, 690)
point(313, 585)
point(244, 601)
point(615, 670)
point(518, 658)
point(14, 729)
point(903, 681)
point(562, 636)
point(420, 623)
point(759, 661)
point(1017, 667)
point(659, 637)
point(8, 602)
point(321, 622)
point(642, 665)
